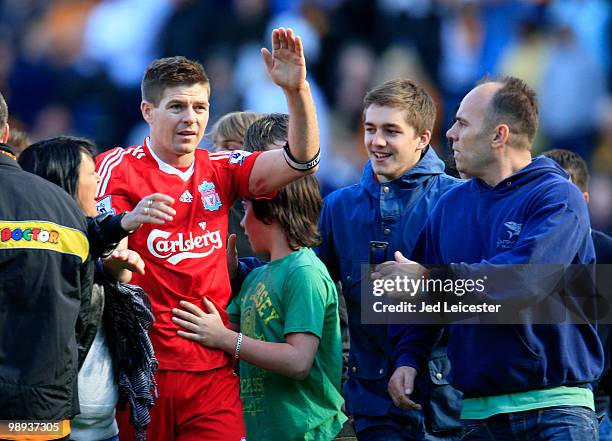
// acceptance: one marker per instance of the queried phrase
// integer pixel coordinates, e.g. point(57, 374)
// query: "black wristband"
point(299, 165)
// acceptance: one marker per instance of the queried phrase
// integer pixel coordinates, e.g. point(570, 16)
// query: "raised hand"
point(286, 64)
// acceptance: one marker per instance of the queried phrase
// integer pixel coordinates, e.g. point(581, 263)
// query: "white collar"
point(167, 168)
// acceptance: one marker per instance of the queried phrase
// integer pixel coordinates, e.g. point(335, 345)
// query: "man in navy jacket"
point(578, 171)
point(401, 183)
point(521, 380)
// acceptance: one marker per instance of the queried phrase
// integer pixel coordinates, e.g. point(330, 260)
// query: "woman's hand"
point(121, 263)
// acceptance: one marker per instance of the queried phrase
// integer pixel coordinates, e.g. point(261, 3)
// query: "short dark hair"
point(574, 164)
point(515, 104)
point(296, 208)
point(405, 94)
point(58, 160)
point(170, 72)
point(270, 128)
point(3, 112)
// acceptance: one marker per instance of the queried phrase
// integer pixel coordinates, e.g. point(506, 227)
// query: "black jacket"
point(45, 289)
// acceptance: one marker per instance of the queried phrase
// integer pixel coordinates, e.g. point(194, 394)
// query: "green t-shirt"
point(292, 294)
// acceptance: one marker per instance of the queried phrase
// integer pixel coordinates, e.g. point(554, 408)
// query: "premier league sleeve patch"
point(237, 156)
point(105, 205)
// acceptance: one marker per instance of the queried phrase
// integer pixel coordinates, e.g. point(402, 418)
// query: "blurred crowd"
point(75, 66)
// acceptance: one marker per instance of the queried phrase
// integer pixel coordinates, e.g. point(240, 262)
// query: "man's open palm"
point(286, 65)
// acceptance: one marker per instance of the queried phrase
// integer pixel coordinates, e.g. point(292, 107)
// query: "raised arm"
point(287, 68)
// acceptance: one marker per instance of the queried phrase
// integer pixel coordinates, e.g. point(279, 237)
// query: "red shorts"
point(192, 406)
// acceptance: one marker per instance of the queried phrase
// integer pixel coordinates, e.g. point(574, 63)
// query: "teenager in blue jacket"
point(401, 183)
point(523, 380)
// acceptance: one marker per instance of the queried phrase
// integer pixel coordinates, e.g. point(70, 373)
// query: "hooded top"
point(393, 212)
point(535, 216)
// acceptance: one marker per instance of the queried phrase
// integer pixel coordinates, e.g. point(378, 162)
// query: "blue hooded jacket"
point(394, 212)
point(535, 216)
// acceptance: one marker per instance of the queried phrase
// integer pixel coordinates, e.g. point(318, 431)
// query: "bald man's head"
point(511, 101)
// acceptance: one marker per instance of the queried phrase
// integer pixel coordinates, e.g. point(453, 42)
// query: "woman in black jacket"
point(68, 162)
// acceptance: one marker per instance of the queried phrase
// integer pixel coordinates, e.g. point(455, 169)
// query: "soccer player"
point(198, 393)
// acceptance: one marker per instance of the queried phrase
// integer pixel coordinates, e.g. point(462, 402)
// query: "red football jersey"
point(185, 258)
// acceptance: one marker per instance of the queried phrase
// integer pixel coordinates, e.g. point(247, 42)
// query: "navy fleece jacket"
point(535, 216)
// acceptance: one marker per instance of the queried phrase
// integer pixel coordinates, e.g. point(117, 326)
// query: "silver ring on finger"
point(145, 210)
point(150, 203)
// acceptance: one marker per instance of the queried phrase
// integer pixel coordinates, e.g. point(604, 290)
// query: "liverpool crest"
point(210, 197)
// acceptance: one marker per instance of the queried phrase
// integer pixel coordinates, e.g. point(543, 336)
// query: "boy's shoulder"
point(307, 270)
point(306, 259)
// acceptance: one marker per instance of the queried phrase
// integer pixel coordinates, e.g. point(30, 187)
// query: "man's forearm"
point(303, 127)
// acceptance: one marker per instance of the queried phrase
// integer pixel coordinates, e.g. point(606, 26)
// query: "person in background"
point(578, 171)
point(269, 132)
point(18, 141)
point(228, 132)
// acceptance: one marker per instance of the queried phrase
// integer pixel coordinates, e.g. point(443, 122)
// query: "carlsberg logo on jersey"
point(182, 246)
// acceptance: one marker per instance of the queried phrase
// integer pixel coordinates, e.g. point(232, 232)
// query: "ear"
point(5, 135)
point(424, 139)
point(146, 108)
point(500, 136)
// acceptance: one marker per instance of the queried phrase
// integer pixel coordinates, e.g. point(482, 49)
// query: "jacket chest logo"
point(509, 235)
point(209, 195)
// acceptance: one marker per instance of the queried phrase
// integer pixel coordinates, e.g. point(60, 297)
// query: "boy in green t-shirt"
point(289, 342)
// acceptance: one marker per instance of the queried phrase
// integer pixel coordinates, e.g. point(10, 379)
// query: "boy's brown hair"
point(170, 72)
point(269, 129)
point(296, 209)
point(404, 94)
point(573, 164)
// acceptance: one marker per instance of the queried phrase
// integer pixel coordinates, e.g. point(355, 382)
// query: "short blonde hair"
point(232, 126)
